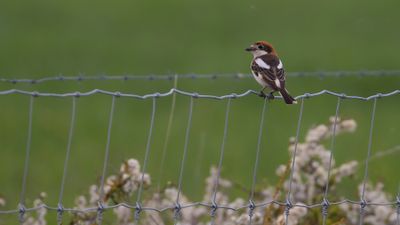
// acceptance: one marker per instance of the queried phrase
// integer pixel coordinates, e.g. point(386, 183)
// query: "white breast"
point(259, 79)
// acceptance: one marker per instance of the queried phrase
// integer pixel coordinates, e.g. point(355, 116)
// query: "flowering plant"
point(308, 186)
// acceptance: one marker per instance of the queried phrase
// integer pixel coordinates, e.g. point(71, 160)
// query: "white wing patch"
point(280, 65)
point(278, 83)
point(262, 64)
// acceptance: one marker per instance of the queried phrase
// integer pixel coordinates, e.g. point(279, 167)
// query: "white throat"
point(258, 53)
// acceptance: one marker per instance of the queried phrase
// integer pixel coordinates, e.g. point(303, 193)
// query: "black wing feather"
point(271, 74)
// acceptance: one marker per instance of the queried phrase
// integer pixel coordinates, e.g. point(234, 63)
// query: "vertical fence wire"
point(177, 209)
point(26, 163)
point(289, 204)
point(60, 207)
point(167, 134)
point(325, 203)
point(363, 203)
point(253, 184)
point(145, 161)
point(398, 206)
point(105, 164)
point(221, 158)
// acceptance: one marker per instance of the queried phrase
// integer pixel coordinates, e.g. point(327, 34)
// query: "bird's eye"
point(260, 47)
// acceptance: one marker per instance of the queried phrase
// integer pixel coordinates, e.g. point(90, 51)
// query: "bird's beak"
point(251, 48)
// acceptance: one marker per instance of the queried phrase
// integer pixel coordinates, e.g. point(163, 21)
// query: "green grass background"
point(44, 38)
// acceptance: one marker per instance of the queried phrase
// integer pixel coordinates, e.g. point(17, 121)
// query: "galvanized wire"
point(221, 158)
point(21, 206)
point(151, 77)
point(167, 135)
point(191, 94)
point(288, 203)
point(252, 206)
point(325, 199)
point(398, 206)
point(70, 135)
point(145, 161)
point(196, 204)
point(178, 207)
point(100, 208)
point(371, 130)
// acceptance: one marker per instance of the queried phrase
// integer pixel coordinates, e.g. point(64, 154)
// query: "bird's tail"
point(286, 96)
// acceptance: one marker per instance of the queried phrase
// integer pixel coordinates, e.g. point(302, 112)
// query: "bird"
point(268, 71)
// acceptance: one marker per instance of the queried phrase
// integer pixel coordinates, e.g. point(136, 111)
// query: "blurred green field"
point(45, 38)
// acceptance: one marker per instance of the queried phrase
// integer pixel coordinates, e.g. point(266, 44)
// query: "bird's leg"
point(262, 94)
point(270, 96)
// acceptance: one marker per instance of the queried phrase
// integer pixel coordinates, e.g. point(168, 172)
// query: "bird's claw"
point(270, 96)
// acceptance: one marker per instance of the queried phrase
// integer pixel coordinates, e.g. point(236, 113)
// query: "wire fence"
point(212, 206)
point(126, 77)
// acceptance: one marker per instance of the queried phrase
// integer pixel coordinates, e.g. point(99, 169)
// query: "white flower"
point(317, 134)
point(280, 171)
point(107, 189)
point(123, 215)
point(130, 186)
point(349, 125)
point(345, 170)
point(146, 179)
point(94, 195)
point(2, 202)
point(132, 167)
point(80, 202)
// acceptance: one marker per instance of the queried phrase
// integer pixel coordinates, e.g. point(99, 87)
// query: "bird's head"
point(261, 48)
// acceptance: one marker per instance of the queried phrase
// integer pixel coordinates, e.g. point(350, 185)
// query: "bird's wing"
point(271, 70)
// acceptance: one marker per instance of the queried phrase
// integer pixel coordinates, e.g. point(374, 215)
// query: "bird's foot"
point(270, 96)
point(262, 94)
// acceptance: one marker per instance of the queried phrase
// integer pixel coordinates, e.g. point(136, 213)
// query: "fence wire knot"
point(214, 208)
point(60, 211)
point(252, 207)
point(138, 210)
point(325, 206)
point(21, 211)
point(60, 208)
point(177, 211)
point(289, 206)
point(363, 204)
point(100, 211)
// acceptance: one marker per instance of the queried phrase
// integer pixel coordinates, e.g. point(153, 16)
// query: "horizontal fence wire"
point(191, 94)
point(82, 77)
point(204, 204)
